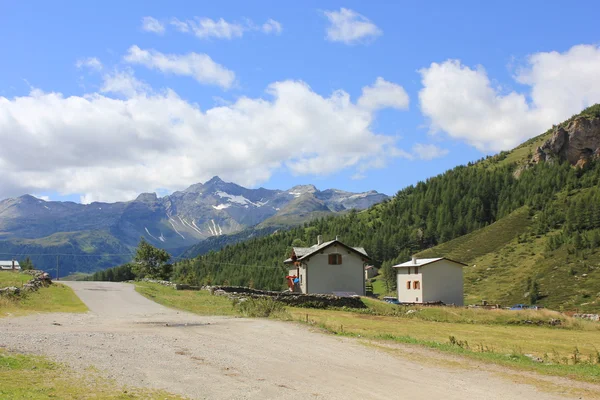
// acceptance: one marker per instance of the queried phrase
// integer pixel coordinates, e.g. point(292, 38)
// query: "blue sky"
point(504, 72)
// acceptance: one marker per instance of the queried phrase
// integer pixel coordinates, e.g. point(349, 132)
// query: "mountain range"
point(32, 226)
point(525, 221)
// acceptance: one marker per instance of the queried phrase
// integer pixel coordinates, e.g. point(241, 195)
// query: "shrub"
point(261, 307)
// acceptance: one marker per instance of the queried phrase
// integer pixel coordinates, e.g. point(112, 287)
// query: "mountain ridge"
point(175, 221)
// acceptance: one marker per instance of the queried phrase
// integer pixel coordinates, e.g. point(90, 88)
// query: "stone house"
point(429, 280)
point(328, 268)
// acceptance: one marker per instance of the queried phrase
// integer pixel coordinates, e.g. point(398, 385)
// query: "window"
point(335, 259)
point(417, 285)
point(416, 270)
point(408, 285)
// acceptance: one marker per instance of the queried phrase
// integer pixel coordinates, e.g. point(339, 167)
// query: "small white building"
point(11, 265)
point(371, 271)
point(428, 280)
point(328, 268)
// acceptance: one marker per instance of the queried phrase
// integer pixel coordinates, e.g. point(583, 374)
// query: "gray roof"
point(303, 252)
point(423, 261)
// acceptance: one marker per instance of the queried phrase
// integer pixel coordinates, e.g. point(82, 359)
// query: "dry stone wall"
point(290, 298)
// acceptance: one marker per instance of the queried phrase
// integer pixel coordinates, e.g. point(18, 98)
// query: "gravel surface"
point(143, 344)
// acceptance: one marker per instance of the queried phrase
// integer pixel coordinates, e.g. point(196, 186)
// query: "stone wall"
point(289, 298)
point(40, 279)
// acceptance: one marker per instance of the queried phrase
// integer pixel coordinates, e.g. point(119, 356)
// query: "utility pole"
point(57, 276)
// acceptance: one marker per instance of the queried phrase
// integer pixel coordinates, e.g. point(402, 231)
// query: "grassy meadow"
point(55, 298)
point(497, 336)
point(36, 378)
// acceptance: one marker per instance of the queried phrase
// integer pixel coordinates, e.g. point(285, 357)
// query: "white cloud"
point(199, 66)
point(383, 94)
point(124, 83)
point(45, 198)
point(220, 29)
point(350, 27)
point(272, 26)
point(205, 28)
point(90, 62)
point(428, 151)
point(462, 101)
point(181, 26)
point(150, 24)
point(110, 148)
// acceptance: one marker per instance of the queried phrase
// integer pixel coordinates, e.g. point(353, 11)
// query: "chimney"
point(414, 260)
point(319, 240)
point(336, 237)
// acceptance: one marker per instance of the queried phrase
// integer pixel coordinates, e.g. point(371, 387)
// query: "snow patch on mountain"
point(241, 200)
point(221, 206)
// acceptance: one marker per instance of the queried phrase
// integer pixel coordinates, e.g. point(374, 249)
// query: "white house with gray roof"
point(11, 265)
point(429, 280)
point(329, 268)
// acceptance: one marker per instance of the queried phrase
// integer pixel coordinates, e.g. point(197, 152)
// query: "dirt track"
point(143, 344)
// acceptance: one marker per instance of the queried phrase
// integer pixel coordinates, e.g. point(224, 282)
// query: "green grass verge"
point(497, 336)
point(55, 298)
point(34, 377)
point(9, 278)
point(199, 302)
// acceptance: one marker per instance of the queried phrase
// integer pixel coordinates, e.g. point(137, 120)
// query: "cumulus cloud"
point(272, 26)
point(198, 66)
point(91, 62)
point(462, 101)
point(205, 28)
point(383, 94)
point(350, 27)
point(111, 148)
point(124, 83)
point(153, 25)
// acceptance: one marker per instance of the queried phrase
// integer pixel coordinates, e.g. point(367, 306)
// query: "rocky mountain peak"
point(147, 197)
point(299, 190)
point(577, 142)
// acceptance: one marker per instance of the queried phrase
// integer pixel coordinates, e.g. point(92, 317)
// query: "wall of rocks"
point(39, 279)
point(289, 298)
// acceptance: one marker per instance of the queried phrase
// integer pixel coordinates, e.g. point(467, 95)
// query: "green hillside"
point(528, 237)
point(561, 257)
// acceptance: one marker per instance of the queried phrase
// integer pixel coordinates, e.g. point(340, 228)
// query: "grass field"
point(9, 278)
point(55, 298)
point(198, 302)
point(33, 377)
point(497, 336)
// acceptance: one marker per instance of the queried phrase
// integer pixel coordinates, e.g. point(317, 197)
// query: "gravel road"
point(143, 344)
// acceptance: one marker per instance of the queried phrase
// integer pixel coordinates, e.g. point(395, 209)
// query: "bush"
point(261, 307)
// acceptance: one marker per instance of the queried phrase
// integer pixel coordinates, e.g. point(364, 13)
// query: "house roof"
point(370, 267)
point(305, 252)
point(424, 261)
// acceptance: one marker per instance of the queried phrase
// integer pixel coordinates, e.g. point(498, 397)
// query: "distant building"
point(328, 268)
point(428, 280)
point(11, 265)
point(371, 271)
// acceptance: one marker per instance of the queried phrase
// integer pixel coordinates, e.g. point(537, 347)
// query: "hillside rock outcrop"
point(577, 142)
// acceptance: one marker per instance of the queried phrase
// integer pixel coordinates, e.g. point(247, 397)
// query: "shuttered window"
point(335, 259)
point(408, 284)
point(417, 285)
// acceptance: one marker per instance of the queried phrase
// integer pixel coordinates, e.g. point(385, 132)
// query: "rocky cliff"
point(576, 142)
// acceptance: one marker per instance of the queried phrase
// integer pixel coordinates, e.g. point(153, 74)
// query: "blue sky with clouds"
point(103, 100)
